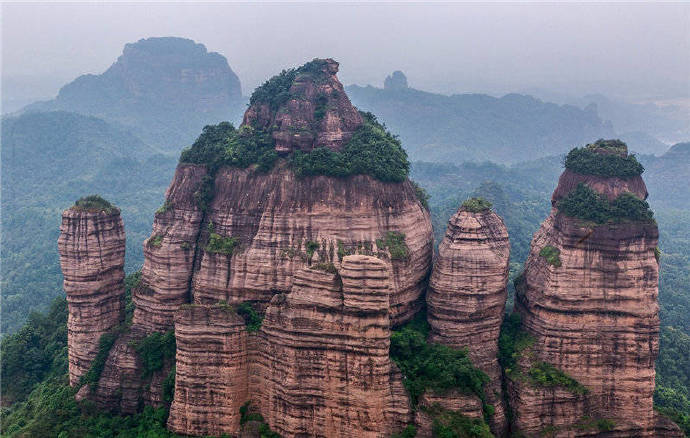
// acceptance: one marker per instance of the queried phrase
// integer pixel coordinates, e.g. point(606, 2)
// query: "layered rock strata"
point(170, 252)
point(593, 314)
point(323, 367)
point(211, 372)
point(92, 257)
point(283, 223)
point(467, 295)
point(317, 112)
point(468, 405)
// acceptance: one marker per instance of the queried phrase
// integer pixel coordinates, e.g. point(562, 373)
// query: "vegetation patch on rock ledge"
point(94, 204)
point(476, 205)
point(394, 242)
point(552, 255)
point(514, 343)
point(428, 366)
point(588, 205)
point(607, 158)
point(372, 151)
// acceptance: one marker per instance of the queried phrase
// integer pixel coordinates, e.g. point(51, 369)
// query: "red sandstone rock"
point(92, 257)
point(211, 372)
point(169, 253)
point(467, 295)
point(323, 367)
point(317, 114)
point(596, 318)
point(274, 215)
point(609, 187)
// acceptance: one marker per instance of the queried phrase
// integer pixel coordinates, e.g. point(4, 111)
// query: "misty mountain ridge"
point(479, 127)
point(165, 89)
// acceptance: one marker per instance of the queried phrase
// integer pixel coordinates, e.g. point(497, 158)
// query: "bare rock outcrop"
point(589, 301)
point(92, 257)
point(316, 113)
point(283, 223)
point(211, 372)
point(467, 295)
point(169, 253)
point(323, 367)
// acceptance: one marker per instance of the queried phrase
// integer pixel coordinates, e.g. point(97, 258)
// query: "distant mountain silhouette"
point(166, 89)
point(478, 127)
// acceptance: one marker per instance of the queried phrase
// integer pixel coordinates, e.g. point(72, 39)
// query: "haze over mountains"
point(119, 134)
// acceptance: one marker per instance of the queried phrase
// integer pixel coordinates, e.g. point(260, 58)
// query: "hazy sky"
point(633, 50)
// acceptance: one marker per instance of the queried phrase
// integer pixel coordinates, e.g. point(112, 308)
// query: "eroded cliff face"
point(467, 295)
point(92, 258)
point(211, 371)
point(591, 312)
point(283, 223)
point(322, 366)
point(169, 253)
point(316, 113)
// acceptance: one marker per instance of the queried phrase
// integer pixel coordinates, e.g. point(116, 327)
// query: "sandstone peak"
point(605, 167)
point(304, 108)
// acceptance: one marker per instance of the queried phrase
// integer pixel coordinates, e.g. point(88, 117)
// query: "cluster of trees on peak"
point(372, 150)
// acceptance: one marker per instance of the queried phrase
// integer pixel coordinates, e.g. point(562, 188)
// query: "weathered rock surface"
point(275, 215)
point(169, 253)
point(92, 257)
point(468, 405)
point(609, 187)
point(595, 317)
point(318, 113)
point(467, 295)
point(211, 372)
point(323, 367)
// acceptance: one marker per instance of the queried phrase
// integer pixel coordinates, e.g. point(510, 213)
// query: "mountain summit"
point(168, 84)
point(305, 108)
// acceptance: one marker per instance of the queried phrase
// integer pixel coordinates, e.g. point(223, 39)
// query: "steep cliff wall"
point(169, 253)
point(211, 371)
point(323, 367)
point(92, 257)
point(283, 223)
point(588, 301)
point(467, 295)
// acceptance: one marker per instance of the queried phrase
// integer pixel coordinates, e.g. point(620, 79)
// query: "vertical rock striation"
point(211, 372)
point(467, 294)
point(276, 216)
point(170, 252)
point(323, 367)
point(92, 257)
point(588, 300)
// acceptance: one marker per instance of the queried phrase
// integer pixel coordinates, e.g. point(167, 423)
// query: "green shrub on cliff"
point(93, 203)
point(154, 350)
point(453, 424)
point(614, 162)
point(394, 242)
point(218, 244)
point(252, 318)
point(372, 150)
point(588, 205)
point(552, 255)
point(432, 366)
point(476, 205)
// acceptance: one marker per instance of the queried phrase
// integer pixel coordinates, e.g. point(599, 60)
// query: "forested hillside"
point(478, 127)
point(48, 161)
